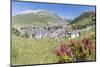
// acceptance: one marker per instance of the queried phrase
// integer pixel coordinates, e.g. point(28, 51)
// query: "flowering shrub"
point(89, 48)
point(76, 50)
point(88, 44)
point(64, 52)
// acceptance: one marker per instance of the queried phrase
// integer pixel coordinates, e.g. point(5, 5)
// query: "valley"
point(37, 33)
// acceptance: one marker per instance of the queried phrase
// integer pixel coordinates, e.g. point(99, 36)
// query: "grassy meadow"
point(32, 51)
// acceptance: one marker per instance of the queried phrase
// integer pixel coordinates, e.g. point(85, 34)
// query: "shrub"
point(92, 36)
point(89, 46)
point(15, 31)
point(76, 50)
point(65, 53)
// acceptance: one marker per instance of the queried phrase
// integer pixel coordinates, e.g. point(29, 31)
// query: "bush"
point(15, 31)
point(92, 36)
point(65, 53)
point(76, 50)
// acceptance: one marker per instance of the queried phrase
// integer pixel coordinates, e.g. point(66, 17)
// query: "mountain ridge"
point(37, 16)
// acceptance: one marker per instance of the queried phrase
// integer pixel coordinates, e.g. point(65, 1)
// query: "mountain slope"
point(38, 17)
point(84, 20)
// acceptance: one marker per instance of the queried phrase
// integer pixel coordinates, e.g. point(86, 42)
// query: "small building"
point(74, 34)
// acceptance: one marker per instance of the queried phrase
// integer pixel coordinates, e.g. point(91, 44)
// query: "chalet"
point(74, 34)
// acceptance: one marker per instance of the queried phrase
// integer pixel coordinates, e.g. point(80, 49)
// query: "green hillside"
point(84, 20)
point(40, 18)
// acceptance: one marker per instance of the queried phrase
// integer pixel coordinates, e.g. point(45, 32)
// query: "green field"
point(32, 51)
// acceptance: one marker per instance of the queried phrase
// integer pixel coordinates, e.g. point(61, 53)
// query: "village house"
point(74, 34)
point(49, 32)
